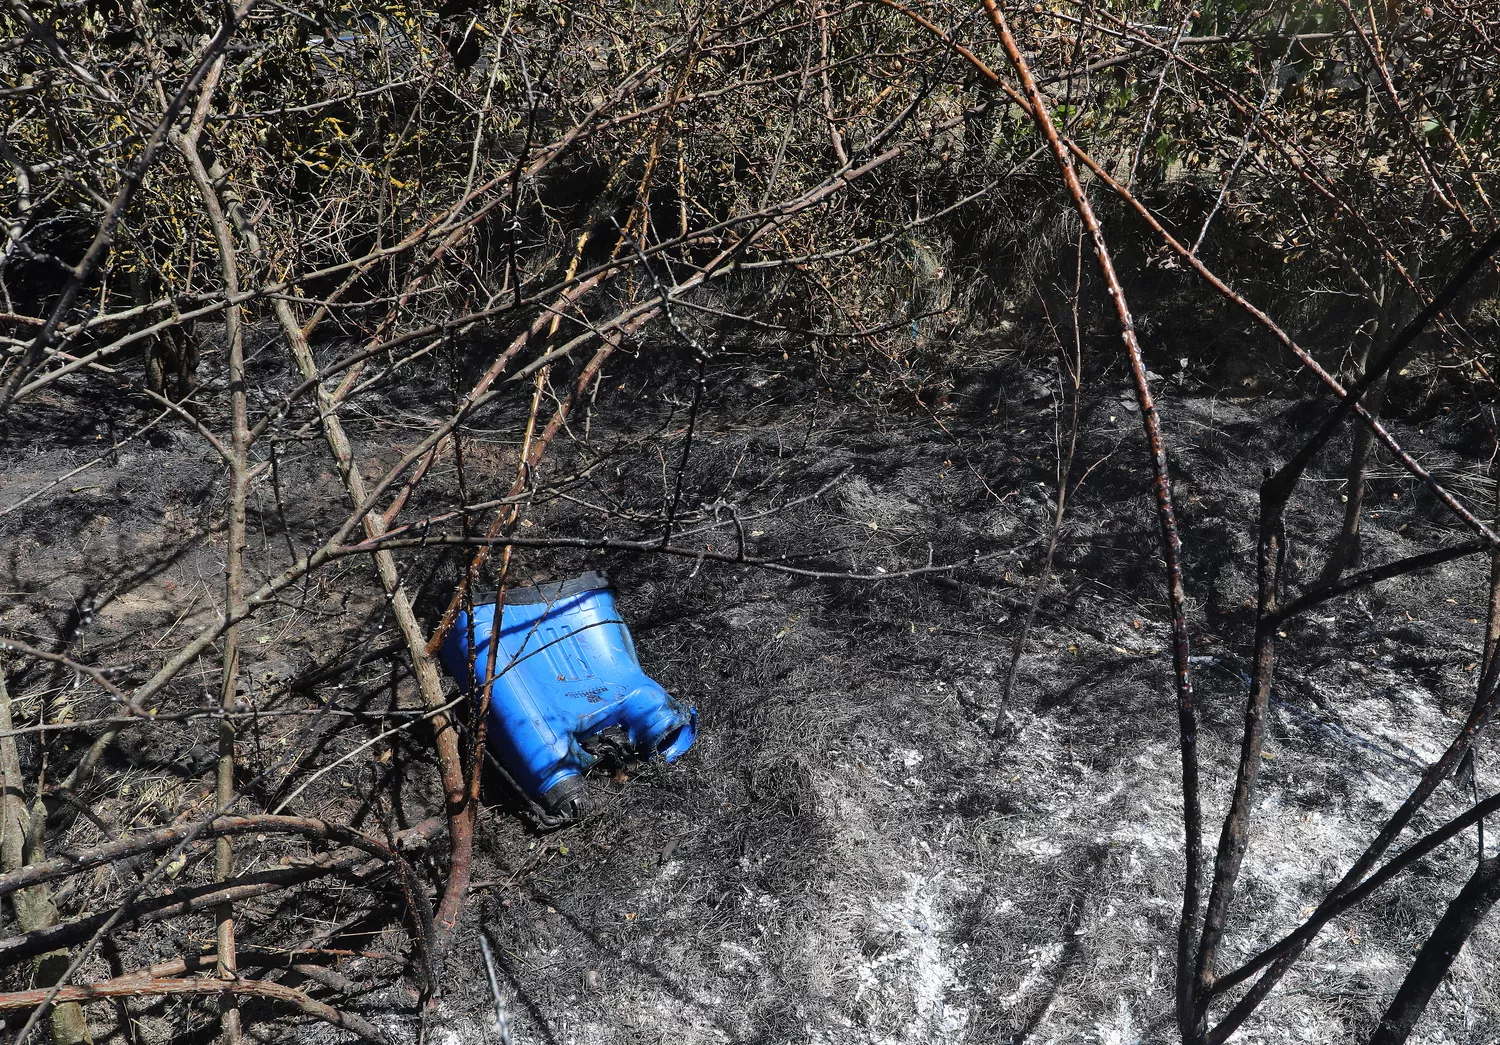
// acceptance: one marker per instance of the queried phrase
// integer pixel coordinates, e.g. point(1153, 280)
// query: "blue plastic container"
point(566, 673)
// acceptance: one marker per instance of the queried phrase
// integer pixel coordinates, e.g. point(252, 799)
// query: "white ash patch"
point(1122, 1029)
point(907, 990)
point(1040, 960)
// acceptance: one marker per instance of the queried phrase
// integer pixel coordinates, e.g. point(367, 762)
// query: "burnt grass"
point(845, 855)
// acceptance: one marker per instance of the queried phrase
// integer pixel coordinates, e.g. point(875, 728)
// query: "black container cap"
point(568, 798)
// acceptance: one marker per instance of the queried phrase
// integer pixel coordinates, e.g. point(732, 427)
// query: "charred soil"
point(845, 855)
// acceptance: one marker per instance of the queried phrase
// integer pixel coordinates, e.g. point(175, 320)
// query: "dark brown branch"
point(1171, 542)
point(1479, 717)
point(1374, 575)
point(1305, 932)
point(1271, 326)
point(1234, 836)
point(1437, 955)
point(1307, 360)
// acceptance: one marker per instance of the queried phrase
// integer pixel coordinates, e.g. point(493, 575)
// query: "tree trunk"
point(21, 845)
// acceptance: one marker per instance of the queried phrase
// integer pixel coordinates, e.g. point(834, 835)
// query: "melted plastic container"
point(566, 674)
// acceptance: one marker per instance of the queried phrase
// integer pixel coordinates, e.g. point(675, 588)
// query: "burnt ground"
point(845, 856)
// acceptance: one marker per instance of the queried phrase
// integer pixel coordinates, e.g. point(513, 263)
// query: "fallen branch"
point(129, 986)
point(174, 904)
point(73, 862)
point(610, 544)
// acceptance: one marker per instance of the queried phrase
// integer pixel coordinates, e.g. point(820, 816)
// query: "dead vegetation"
point(1052, 447)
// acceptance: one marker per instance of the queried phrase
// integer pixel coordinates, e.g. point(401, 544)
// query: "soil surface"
point(846, 855)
